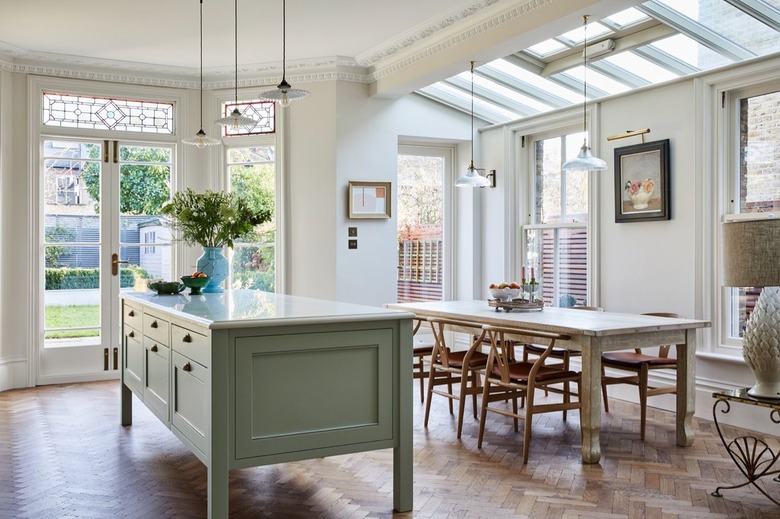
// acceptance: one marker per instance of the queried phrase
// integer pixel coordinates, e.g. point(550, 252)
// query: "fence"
point(419, 270)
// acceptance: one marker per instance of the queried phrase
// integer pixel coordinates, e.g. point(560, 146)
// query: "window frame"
point(526, 133)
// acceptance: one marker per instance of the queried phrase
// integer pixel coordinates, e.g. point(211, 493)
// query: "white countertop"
point(249, 308)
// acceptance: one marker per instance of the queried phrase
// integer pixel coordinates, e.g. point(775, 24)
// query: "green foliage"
point(567, 301)
point(254, 279)
point(253, 267)
point(214, 219)
point(79, 278)
point(53, 253)
point(144, 187)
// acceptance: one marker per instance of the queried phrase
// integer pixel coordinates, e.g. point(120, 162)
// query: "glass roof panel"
point(514, 95)
point(641, 67)
point(627, 17)
point(691, 52)
point(535, 80)
point(741, 28)
point(695, 35)
point(577, 36)
point(598, 80)
point(546, 48)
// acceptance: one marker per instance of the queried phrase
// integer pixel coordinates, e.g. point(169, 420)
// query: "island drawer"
point(156, 328)
point(131, 315)
point(191, 344)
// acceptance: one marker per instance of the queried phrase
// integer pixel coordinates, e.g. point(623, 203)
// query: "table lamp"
point(751, 254)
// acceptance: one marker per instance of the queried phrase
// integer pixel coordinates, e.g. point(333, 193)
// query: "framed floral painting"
point(642, 190)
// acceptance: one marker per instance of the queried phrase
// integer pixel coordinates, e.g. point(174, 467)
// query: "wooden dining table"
point(592, 333)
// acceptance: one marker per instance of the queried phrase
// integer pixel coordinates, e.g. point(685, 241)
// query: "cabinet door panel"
point(190, 400)
point(157, 387)
point(339, 383)
point(133, 361)
point(156, 327)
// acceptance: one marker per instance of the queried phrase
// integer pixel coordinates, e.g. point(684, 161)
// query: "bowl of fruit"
point(195, 282)
point(505, 291)
point(166, 287)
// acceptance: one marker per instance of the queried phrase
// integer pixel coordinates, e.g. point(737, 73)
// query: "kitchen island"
point(247, 378)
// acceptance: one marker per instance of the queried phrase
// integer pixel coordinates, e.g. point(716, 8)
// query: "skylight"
point(681, 37)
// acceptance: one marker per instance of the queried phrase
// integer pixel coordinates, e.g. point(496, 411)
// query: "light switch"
point(353, 244)
point(352, 231)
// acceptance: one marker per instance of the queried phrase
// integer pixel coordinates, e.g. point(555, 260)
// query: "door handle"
point(115, 261)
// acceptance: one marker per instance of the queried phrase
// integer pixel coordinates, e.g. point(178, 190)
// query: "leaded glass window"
point(103, 113)
point(264, 112)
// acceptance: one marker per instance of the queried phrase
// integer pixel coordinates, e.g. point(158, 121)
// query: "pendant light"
point(200, 139)
point(584, 161)
point(236, 120)
point(284, 93)
point(472, 178)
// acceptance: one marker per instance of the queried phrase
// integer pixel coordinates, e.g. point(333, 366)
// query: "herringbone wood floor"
point(63, 454)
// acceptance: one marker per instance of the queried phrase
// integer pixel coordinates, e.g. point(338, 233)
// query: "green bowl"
point(195, 284)
point(167, 287)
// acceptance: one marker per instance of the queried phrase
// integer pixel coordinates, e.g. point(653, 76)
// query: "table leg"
point(686, 390)
point(590, 396)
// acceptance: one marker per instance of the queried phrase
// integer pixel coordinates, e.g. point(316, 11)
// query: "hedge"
point(78, 278)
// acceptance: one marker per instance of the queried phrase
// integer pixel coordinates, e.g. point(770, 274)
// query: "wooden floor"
point(63, 454)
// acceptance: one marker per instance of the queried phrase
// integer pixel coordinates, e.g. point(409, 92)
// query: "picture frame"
point(368, 199)
point(642, 188)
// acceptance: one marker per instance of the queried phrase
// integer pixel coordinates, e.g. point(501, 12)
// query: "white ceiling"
point(371, 37)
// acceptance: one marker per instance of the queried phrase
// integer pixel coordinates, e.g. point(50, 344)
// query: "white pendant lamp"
point(585, 161)
point(236, 120)
point(200, 139)
point(472, 178)
point(284, 94)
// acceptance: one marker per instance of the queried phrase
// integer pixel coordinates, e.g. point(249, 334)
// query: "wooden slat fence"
point(419, 270)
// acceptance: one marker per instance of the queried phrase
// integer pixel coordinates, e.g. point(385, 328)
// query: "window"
point(104, 113)
point(150, 237)
point(264, 112)
point(251, 171)
point(755, 187)
point(556, 238)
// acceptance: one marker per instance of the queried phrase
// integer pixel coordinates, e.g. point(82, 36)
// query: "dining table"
point(591, 333)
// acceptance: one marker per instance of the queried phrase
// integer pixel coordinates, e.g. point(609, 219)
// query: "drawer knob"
point(154, 324)
point(131, 334)
point(131, 314)
point(154, 347)
point(187, 367)
point(187, 338)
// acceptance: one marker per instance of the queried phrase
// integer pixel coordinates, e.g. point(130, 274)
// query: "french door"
point(101, 234)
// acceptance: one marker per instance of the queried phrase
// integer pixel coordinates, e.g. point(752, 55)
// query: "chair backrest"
point(441, 350)
point(502, 348)
point(663, 351)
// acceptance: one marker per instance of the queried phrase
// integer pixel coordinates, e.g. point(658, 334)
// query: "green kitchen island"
point(247, 378)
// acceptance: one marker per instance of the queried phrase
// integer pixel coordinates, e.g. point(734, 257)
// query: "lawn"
point(72, 317)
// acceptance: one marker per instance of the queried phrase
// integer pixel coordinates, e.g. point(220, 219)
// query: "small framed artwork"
point(642, 190)
point(369, 199)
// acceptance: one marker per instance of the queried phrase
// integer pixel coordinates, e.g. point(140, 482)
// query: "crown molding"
point(482, 18)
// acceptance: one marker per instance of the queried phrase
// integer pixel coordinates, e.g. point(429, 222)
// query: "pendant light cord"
point(284, 39)
point(201, 64)
point(235, 33)
point(472, 114)
point(584, 73)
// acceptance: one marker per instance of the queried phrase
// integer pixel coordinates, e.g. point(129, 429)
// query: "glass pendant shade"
point(284, 94)
point(200, 139)
point(472, 178)
point(584, 161)
point(236, 120)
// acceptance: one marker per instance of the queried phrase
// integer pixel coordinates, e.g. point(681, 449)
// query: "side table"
point(752, 456)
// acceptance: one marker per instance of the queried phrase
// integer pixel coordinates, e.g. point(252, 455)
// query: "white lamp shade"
point(472, 178)
point(751, 253)
point(584, 161)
